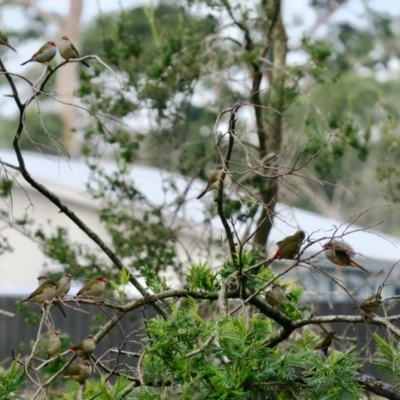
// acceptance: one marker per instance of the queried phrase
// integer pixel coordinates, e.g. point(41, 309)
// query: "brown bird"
point(371, 304)
point(53, 343)
point(42, 279)
point(289, 247)
point(63, 285)
point(341, 254)
point(275, 296)
point(67, 50)
point(84, 348)
point(79, 372)
point(213, 182)
point(44, 55)
point(94, 288)
point(322, 348)
point(45, 292)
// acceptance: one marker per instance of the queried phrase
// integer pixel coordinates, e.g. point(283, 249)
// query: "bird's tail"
point(268, 262)
point(324, 345)
point(202, 193)
point(58, 304)
point(277, 253)
point(354, 264)
point(9, 46)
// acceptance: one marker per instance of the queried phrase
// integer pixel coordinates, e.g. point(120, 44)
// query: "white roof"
point(68, 180)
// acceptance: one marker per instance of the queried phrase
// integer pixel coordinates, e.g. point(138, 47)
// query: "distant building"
point(68, 181)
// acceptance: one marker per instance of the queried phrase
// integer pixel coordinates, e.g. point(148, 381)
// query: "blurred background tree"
point(340, 96)
point(324, 101)
point(184, 62)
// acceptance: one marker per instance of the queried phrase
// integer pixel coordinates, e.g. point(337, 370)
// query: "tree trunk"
point(271, 138)
point(66, 81)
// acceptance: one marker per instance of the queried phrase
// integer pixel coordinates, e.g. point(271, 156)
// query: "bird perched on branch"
point(340, 253)
point(63, 285)
point(79, 372)
point(289, 247)
point(94, 288)
point(84, 348)
point(42, 279)
point(213, 182)
point(45, 292)
point(44, 55)
point(371, 304)
point(4, 41)
point(275, 296)
point(322, 348)
point(67, 50)
point(53, 343)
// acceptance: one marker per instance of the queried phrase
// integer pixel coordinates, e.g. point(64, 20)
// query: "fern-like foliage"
point(11, 381)
point(225, 357)
point(102, 389)
point(390, 353)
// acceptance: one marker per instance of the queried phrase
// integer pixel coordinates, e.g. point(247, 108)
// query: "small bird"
point(84, 348)
point(4, 41)
point(322, 348)
point(371, 304)
point(44, 55)
point(289, 247)
point(46, 291)
point(67, 50)
point(53, 343)
point(213, 182)
point(63, 285)
point(42, 279)
point(340, 253)
point(94, 288)
point(275, 296)
point(79, 372)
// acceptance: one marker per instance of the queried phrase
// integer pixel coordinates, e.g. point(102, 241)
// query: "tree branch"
point(376, 386)
point(225, 162)
point(270, 136)
point(50, 195)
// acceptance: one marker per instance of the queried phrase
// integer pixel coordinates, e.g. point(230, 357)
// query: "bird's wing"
point(75, 50)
